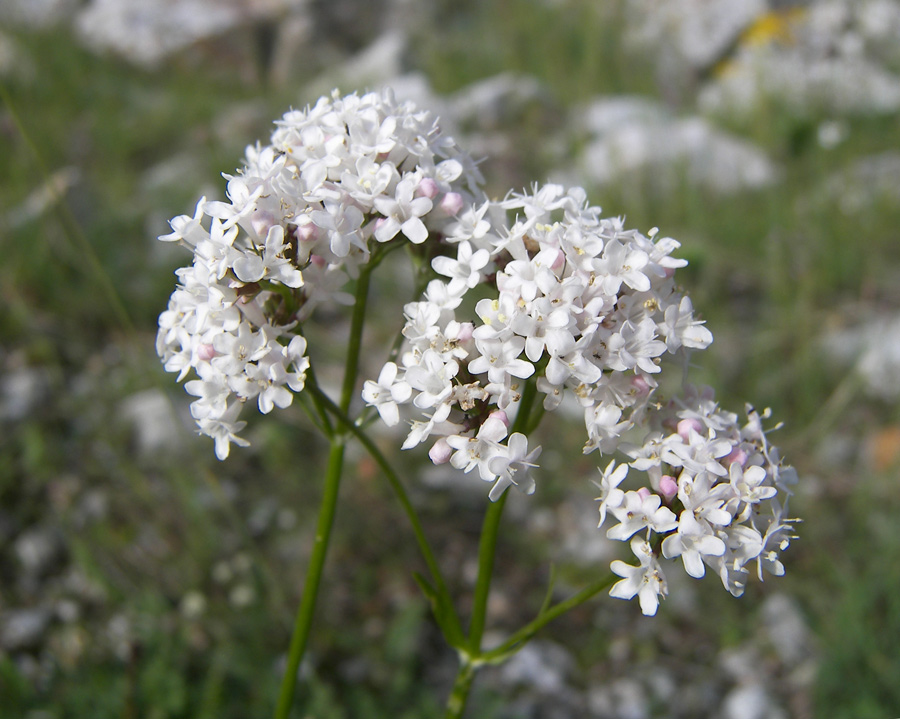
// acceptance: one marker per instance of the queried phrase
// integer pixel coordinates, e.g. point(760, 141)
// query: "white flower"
point(272, 265)
point(619, 264)
point(610, 494)
point(402, 213)
point(499, 358)
point(386, 393)
point(639, 512)
point(223, 429)
point(680, 327)
point(692, 541)
point(464, 271)
point(646, 581)
point(433, 378)
point(341, 222)
point(513, 466)
point(476, 452)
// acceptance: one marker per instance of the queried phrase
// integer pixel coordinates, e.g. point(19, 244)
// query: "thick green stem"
point(313, 577)
point(486, 555)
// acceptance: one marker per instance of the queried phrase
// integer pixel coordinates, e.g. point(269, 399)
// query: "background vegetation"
point(139, 577)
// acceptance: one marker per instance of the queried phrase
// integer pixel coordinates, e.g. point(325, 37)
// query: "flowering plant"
point(524, 305)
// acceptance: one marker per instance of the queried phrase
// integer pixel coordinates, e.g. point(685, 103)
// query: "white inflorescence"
point(299, 222)
point(564, 299)
point(584, 307)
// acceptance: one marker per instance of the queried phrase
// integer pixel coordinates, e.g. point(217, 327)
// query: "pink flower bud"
point(501, 415)
point(559, 262)
point(465, 331)
point(640, 385)
point(261, 221)
point(668, 487)
point(451, 203)
point(440, 451)
point(686, 425)
point(644, 492)
point(318, 260)
point(206, 352)
point(427, 188)
point(736, 455)
point(306, 232)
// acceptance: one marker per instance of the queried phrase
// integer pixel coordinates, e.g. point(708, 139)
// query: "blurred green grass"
point(770, 270)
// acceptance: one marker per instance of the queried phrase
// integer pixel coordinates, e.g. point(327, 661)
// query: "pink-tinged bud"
point(307, 232)
point(640, 385)
point(644, 492)
point(668, 487)
point(451, 203)
point(427, 188)
point(669, 272)
point(501, 415)
point(206, 352)
point(686, 425)
point(318, 260)
point(261, 221)
point(559, 262)
point(440, 452)
point(736, 455)
point(465, 332)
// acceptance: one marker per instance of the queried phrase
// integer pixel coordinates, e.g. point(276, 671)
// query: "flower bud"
point(640, 385)
point(306, 232)
point(668, 487)
point(686, 425)
point(427, 188)
point(465, 331)
point(451, 203)
point(206, 352)
point(736, 455)
point(440, 452)
point(261, 221)
point(501, 415)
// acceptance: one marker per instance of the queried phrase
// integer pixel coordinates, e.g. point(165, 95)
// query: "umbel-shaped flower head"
point(588, 312)
point(300, 220)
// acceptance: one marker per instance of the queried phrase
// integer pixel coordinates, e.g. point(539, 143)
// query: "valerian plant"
point(525, 304)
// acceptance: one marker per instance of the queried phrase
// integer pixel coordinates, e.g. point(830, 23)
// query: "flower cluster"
point(573, 299)
point(584, 308)
point(299, 223)
point(712, 498)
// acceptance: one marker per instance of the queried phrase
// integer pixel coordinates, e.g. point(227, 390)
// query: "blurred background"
point(140, 577)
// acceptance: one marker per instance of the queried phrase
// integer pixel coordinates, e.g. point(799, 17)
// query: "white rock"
point(628, 136)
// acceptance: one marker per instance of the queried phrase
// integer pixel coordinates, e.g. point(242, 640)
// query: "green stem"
point(487, 547)
point(456, 704)
point(351, 368)
point(486, 554)
point(445, 608)
point(518, 640)
point(487, 550)
point(313, 577)
point(328, 507)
